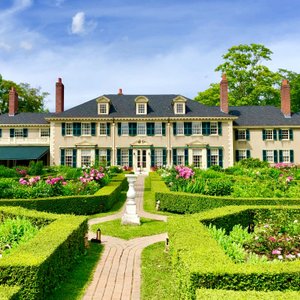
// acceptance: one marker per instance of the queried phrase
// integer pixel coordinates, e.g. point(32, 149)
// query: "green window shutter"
point(219, 128)
point(206, 128)
point(174, 128)
point(174, 157)
point(93, 129)
point(119, 157)
point(280, 156)
point(25, 132)
point(291, 134)
point(108, 157)
point(247, 135)
point(11, 132)
point(150, 129)
point(291, 156)
point(130, 157)
point(248, 153)
point(62, 156)
point(119, 129)
point(77, 129)
point(164, 157)
point(163, 128)
point(221, 157)
point(275, 156)
point(274, 134)
point(132, 129)
point(280, 134)
point(74, 158)
point(0, 132)
point(96, 155)
point(63, 129)
point(236, 134)
point(152, 158)
point(264, 135)
point(186, 156)
point(108, 129)
point(208, 158)
point(264, 155)
point(236, 155)
point(188, 128)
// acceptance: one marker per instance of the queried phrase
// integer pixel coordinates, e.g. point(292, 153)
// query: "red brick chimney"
point(120, 92)
point(224, 94)
point(60, 98)
point(13, 102)
point(285, 99)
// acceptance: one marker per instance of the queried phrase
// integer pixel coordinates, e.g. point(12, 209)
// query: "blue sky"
point(144, 47)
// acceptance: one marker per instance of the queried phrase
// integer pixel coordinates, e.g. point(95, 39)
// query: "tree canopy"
point(250, 82)
point(30, 99)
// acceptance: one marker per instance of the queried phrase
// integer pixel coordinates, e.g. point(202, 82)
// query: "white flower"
point(280, 257)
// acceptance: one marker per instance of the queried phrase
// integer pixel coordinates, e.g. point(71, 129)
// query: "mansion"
point(145, 131)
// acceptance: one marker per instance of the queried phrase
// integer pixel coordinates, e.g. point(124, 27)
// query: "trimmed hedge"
point(101, 201)
point(201, 263)
point(248, 295)
point(180, 202)
point(41, 264)
point(9, 292)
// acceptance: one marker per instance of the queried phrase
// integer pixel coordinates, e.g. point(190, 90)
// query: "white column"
point(113, 152)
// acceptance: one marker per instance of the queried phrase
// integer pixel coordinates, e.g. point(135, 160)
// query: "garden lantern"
point(98, 237)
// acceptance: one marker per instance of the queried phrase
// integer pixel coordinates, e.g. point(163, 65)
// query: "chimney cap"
point(120, 92)
point(59, 80)
point(224, 76)
point(285, 82)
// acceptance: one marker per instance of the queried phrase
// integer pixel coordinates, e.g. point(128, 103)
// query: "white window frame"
point(158, 157)
point(141, 129)
point(197, 128)
point(179, 108)
point(102, 156)
point(242, 135)
point(214, 128)
point(179, 128)
point(69, 129)
point(44, 132)
point(197, 156)
point(158, 128)
point(270, 156)
point(288, 135)
point(86, 157)
point(68, 157)
point(180, 157)
point(102, 129)
point(124, 157)
point(141, 108)
point(103, 108)
point(86, 129)
point(242, 154)
point(214, 157)
point(286, 156)
point(124, 128)
point(19, 133)
point(269, 134)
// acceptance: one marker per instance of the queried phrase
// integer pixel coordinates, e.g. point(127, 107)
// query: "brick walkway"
point(118, 274)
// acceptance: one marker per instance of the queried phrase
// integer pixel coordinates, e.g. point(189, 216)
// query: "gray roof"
point(25, 118)
point(262, 116)
point(158, 106)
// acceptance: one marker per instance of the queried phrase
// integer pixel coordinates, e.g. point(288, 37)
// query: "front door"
point(141, 165)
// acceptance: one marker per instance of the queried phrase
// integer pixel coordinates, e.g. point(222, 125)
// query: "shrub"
point(252, 163)
point(218, 187)
point(8, 172)
point(35, 168)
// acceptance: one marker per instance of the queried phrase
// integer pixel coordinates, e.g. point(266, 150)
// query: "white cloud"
point(26, 45)
point(5, 46)
point(78, 23)
point(18, 5)
point(59, 2)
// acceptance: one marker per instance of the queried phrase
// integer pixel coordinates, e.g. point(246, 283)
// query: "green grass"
point(116, 208)
point(127, 232)
point(158, 281)
point(77, 282)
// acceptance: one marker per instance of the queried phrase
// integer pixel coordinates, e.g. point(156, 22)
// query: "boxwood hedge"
point(201, 263)
point(41, 264)
point(101, 201)
point(9, 292)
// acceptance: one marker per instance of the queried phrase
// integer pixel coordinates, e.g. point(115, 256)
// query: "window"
point(85, 128)
point(158, 158)
point(103, 109)
point(85, 158)
point(141, 108)
point(213, 128)
point(196, 128)
point(241, 134)
point(269, 134)
point(141, 128)
point(285, 134)
point(102, 155)
point(197, 158)
point(102, 129)
point(69, 128)
point(45, 132)
point(179, 108)
point(180, 157)
point(180, 128)
point(124, 129)
point(270, 156)
point(242, 154)
point(124, 157)
point(19, 133)
point(286, 156)
point(214, 157)
point(69, 157)
point(158, 128)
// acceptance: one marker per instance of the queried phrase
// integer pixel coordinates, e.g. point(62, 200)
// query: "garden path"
point(118, 273)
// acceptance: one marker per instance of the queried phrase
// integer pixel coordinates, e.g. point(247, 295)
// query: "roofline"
point(265, 126)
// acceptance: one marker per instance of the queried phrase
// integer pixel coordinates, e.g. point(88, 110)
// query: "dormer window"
point(141, 103)
point(179, 104)
point(103, 105)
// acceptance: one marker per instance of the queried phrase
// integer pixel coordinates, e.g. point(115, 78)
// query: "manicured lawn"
point(74, 287)
point(158, 281)
point(127, 232)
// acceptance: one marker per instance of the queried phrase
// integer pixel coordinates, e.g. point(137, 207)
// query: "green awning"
point(22, 152)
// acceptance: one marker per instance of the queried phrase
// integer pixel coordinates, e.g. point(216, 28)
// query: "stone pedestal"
point(130, 216)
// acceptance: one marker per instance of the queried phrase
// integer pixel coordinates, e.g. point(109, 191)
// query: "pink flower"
point(272, 239)
point(276, 252)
